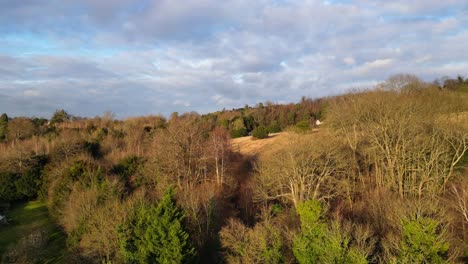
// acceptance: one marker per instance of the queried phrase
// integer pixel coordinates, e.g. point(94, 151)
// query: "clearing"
point(249, 146)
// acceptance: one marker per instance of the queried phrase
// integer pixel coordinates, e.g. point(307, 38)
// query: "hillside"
point(384, 164)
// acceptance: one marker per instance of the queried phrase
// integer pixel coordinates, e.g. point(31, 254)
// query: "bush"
point(302, 126)
point(242, 132)
point(274, 127)
point(260, 132)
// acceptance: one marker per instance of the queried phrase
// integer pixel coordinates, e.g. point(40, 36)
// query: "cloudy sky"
point(138, 57)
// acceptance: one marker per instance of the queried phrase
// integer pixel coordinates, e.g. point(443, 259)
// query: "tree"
point(260, 244)
point(423, 242)
point(155, 234)
point(219, 146)
point(60, 116)
point(307, 168)
point(8, 191)
point(274, 127)
point(238, 128)
point(3, 126)
point(260, 132)
point(20, 128)
point(317, 243)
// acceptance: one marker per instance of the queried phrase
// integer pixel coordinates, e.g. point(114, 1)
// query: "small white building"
point(318, 123)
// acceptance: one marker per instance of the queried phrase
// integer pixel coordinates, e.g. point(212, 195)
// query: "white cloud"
point(31, 93)
point(135, 57)
point(349, 60)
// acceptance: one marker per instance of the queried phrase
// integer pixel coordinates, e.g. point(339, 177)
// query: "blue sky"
point(139, 57)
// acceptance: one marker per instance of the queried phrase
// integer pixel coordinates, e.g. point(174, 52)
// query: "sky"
point(141, 57)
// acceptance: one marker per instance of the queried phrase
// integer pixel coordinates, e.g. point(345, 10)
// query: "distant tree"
point(260, 132)
point(60, 116)
point(155, 234)
point(3, 126)
point(249, 123)
point(302, 126)
point(274, 127)
point(238, 128)
point(20, 128)
point(291, 117)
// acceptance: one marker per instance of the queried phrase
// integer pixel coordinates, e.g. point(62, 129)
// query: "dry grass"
point(251, 147)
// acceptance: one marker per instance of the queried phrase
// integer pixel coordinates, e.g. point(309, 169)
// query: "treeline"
point(384, 180)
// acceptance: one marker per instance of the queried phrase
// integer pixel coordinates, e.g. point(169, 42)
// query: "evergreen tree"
point(317, 243)
point(3, 126)
point(155, 234)
point(422, 242)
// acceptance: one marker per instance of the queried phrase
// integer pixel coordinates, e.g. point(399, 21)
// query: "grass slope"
point(23, 219)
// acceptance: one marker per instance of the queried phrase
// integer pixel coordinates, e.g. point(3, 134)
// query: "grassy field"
point(26, 218)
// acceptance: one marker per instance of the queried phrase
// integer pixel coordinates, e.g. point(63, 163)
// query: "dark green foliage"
point(274, 127)
point(84, 173)
point(3, 126)
point(93, 148)
point(242, 132)
point(423, 242)
point(25, 184)
point(291, 117)
point(302, 126)
point(39, 122)
point(127, 166)
point(260, 132)
point(8, 191)
point(155, 234)
point(249, 123)
point(60, 116)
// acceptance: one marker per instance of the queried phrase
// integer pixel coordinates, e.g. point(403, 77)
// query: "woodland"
point(382, 179)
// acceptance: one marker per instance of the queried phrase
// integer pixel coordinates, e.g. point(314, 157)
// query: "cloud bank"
point(159, 56)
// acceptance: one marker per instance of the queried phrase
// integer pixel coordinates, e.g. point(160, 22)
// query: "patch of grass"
point(23, 219)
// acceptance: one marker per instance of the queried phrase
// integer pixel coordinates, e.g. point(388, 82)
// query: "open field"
point(252, 147)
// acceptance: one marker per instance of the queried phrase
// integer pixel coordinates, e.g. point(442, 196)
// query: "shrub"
point(274, 127)
point(302, 126)
point(242, 132)
point(260, 132)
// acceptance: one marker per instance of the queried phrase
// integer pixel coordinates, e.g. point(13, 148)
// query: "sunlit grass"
point(24, 218)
